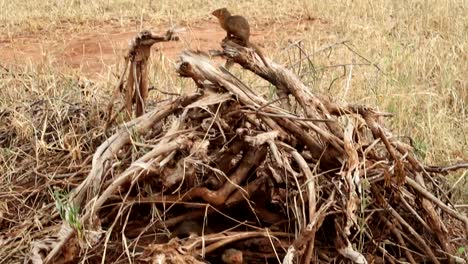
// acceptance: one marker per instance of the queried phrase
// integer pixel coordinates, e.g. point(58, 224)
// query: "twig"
point(320, 50)
point(164, 92)
point(397, 234)
point(402, 221)
point(312, 202)
point(253, 158)
point(442, 170)
point(364, 58)
point(438, 202)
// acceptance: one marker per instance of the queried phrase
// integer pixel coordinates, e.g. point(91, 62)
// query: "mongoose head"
point(221, 13)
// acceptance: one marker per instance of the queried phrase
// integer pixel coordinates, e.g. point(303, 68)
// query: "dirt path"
point(93, 52)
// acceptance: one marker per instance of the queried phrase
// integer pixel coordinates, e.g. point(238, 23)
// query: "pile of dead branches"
point(223, 175)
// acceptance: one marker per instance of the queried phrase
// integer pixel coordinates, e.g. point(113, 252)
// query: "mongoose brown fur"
point(237, 29)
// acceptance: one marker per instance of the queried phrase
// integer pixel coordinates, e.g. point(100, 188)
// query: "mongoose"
point(238, 29)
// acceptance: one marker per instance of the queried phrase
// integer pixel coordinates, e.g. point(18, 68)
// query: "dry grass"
point(78, 15)
point(420, 47)
point(416, 67)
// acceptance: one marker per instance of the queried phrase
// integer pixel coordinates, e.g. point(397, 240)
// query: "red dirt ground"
point(93, 52)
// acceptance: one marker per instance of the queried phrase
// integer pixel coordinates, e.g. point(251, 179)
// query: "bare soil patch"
point(101, 47)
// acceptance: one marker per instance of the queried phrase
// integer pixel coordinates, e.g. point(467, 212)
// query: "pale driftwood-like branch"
point(108, 150)
point(347, 251)
point(200, 69)
point(312, 202)
point(351, 177)
point(138, 166)
point(138, 83)
point(314, 106)
point(110, 147)
point(136, 64)
point(314, 224)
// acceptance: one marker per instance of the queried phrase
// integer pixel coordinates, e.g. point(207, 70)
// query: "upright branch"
point(136, 70)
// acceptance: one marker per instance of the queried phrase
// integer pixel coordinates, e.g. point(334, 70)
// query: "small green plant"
point(461, 251)
point(365, 201)
point(68, 212)
point(420, 148)
point(6, 153)
point(392, 107)
point(271, 92)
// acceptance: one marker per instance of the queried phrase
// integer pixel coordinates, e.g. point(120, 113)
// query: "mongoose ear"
point(217, 12)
